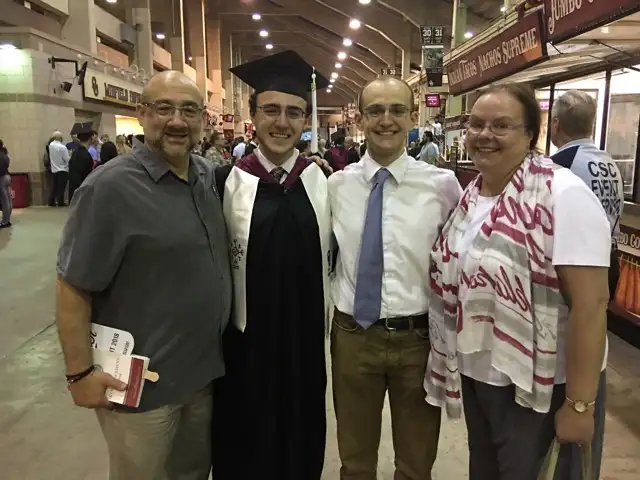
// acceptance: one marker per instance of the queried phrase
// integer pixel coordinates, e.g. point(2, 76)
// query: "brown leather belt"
point(396, 323)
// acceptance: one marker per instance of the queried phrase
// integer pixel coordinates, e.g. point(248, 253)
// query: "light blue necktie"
point(368, 297)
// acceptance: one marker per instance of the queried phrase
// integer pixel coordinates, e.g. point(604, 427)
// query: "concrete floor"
point(42, 436)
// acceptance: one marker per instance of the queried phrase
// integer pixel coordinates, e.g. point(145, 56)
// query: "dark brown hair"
point(526, 97)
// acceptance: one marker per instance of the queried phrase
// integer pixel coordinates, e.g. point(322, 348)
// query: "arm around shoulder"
point(451, 190)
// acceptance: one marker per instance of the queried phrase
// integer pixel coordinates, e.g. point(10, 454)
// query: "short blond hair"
point(576, 113)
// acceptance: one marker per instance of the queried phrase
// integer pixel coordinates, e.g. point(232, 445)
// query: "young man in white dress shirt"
point(387, 212)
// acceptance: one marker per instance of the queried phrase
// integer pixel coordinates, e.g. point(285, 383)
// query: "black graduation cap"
point(78, 128)
point(338, 135)
point(285, 72)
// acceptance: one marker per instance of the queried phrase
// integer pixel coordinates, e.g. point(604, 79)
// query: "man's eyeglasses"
point(164, 109)
point(499, 128)
point(377, 111)
point(274, 111)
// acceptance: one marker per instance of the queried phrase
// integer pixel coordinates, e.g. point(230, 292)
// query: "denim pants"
point(5, 198)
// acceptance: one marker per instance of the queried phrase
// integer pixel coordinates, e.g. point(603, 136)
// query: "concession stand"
point(593, 46)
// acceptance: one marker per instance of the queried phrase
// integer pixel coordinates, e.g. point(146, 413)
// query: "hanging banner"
point(433, 64)
point(516, 48)
point(566, 19)
point(626, 301)
point(432, 36)
point(433, 53)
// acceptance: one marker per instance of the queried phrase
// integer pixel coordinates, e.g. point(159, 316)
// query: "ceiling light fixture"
point(364, 2)
point(333, 80)
point(328, 90)
point(503, 8)
point(468, 35)
point(160, 36)
point(334, 75)
point(354, 24)
point(190, 58)
point(269, 46)
point(338, 65)
point(342, 55)
point(264, 33)
point(347, 42)
point(112, 1)
point(604, 30)
point(256, 16)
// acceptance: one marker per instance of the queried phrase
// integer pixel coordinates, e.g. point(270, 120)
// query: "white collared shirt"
point(417, 200)
point(287, 165)
point(58, 157)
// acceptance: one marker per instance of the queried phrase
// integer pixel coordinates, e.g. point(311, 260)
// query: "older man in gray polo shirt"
point(145, 251)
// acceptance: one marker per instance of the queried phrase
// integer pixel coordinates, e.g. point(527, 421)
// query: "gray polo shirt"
point(152, 251)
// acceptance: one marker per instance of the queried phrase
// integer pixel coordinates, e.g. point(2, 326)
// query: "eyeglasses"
point(164, 109)
point(274, 111)
point(499, 128)
point(377, 111)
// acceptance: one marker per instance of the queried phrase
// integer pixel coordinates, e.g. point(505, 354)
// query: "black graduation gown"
point(80, 166)
point(269, 418)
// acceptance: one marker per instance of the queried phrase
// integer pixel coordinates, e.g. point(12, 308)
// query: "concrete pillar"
point(194, 11)
point(459, 27)
point(406, 64)
point(80, 27)
point(214, 49)
point(225, 64)
point(139, 16)
point(176, 38)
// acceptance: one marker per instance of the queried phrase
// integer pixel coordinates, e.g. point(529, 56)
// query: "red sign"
point(518, 47)
point(432, 99)
point(568, 18)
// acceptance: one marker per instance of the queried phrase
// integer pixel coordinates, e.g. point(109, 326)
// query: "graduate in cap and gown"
point(269, 409)
point(81, 161)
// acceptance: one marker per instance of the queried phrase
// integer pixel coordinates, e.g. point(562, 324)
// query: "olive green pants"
point(366, 364)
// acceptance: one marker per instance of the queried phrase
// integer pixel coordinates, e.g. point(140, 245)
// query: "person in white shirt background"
point(387, 211)
point(59, 161)
point(238, 150)
point(572, 120)
point(519, 299)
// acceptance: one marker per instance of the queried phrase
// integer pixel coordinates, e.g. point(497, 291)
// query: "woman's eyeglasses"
point(499, 128)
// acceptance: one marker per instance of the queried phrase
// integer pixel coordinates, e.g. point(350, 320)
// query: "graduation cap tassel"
point(314, 114)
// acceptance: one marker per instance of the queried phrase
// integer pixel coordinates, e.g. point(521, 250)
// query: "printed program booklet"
point(112, 354)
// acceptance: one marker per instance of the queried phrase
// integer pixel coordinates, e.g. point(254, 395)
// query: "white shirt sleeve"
point(451, 194)
point(582, 235)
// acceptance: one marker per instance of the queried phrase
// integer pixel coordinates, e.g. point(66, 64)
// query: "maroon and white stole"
point(240, 191)
point(506, 291)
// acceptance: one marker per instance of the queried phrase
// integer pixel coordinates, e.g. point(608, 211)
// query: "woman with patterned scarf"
point(519, 301)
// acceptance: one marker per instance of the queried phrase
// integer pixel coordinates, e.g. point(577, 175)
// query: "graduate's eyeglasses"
point(376, 111)
point(499, 128)
point(164, 109)
point(274, 111)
